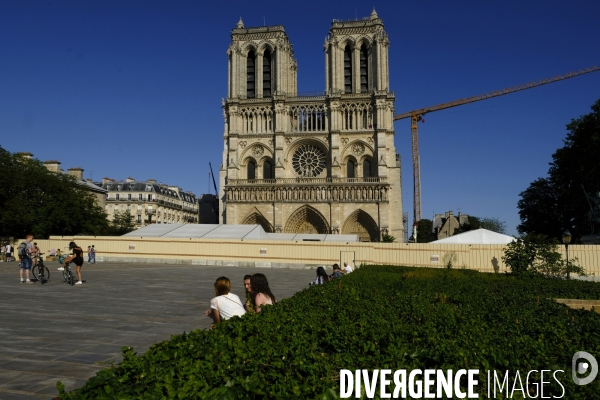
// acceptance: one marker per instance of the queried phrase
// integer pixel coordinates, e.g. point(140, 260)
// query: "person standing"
point(93, 253)
point(9, 250)
point(3, 253)
point(89, 254)
point(76, 258)
point(34, 251)
point(25, 258)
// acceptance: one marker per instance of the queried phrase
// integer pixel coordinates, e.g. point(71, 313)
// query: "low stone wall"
point(579, 304)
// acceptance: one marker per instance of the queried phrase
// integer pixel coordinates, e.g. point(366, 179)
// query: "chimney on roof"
point(129, 180)
point(450, 213)
point(25, 154)
point(76, 172)
point(106, 180)
point(52, 165)
point(151, 181)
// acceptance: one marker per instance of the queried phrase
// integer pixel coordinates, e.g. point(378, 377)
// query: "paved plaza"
point(60, 332)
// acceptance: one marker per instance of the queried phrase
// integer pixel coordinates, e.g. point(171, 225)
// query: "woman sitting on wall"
point(226, 304)
point(322, 277)
point(259, 287)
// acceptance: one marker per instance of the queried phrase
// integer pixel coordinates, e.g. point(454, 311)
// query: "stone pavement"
point(60, 332)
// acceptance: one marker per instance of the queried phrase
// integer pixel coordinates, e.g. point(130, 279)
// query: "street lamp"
point(566, 238)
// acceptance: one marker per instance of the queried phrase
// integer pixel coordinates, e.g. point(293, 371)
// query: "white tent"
point(205, 231)
point(477, 236)
point(224, 231)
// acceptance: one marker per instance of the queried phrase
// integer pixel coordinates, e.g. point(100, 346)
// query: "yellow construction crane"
point(416, 116)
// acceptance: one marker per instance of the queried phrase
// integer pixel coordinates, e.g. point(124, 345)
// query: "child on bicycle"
point(76, 258)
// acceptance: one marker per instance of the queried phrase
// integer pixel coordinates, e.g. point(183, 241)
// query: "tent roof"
point(477, 236)
point(226, 231)
point(311, 237)
point(205, 231)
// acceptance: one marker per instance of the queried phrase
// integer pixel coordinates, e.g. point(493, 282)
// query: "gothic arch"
point(249, 47)
point(301, 142)
point(363, 40)
point(250, 152)
point(256, 218)
point(363, 150)
point(306, 219)
point(362, 224)
point(265, 44)
point(348, 41)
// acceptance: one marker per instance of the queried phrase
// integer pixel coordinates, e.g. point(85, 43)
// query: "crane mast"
point(416, 116)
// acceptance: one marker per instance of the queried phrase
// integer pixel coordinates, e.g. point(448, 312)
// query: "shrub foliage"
point(376, 317)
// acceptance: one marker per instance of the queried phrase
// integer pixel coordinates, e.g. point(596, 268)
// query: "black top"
point(77, 252)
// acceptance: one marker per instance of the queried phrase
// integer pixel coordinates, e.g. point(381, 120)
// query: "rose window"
point(308, 161)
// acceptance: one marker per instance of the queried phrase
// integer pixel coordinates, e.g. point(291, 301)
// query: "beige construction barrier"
point(286, 254)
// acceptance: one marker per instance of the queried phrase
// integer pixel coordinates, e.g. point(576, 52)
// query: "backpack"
point(22, 250)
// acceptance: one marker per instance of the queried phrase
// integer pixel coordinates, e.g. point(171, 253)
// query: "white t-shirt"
point(229, 305)
point(348, 269)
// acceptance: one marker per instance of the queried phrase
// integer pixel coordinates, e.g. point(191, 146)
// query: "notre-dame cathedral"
point(321, 163)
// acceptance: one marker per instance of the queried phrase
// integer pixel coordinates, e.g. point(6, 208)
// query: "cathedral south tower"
point(324, 163)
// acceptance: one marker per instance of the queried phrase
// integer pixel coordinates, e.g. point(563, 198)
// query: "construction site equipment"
point(417, 115)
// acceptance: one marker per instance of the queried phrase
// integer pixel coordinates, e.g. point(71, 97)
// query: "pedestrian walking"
point(93, 253)
point(9, 250)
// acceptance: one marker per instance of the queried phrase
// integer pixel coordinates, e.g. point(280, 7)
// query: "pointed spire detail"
point(240, 24)
point(374, 14)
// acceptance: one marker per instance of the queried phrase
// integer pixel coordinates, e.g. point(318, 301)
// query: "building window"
point(347, 70)
point(117, 196)
point(350, 167)
point(250, 70)
point(128, 207)
point(251, 170)
point(366, 169)
point(267, 74)
point(139, 219)
point(149, 197)
point(140, 196)
point(364, 69)
point(129, 196)
point(267, 170)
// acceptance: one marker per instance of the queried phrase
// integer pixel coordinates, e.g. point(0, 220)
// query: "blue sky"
point(134, 88)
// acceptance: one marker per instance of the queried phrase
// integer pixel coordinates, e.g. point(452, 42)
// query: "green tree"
point(537, 255)
point(35, 200)
point(424, 231)
point(491, 224)
point(122, 223)
point(551, 205)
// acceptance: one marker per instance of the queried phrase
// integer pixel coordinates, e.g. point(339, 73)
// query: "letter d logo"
point(582, 367)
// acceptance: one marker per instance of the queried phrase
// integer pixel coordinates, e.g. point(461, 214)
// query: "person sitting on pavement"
point(249, 306)
point(337, 273)
point(226, 304)
point(322, 277)
point(261, 291)
point(347, 268)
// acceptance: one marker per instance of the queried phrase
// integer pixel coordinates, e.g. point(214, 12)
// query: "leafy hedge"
point(377, 317)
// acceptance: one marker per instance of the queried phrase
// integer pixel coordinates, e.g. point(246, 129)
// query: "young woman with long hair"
point(261, 291)
point(226, 304)
point(76, 258)
point(322, 276)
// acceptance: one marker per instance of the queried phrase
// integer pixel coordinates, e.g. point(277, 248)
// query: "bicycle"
point(68, 275)
point(39, 270)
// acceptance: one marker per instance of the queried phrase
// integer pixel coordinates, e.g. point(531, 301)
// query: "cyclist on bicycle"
point(76, 258)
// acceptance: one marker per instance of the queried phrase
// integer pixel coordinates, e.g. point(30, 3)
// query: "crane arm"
point(213, 179)
point(496, 93)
